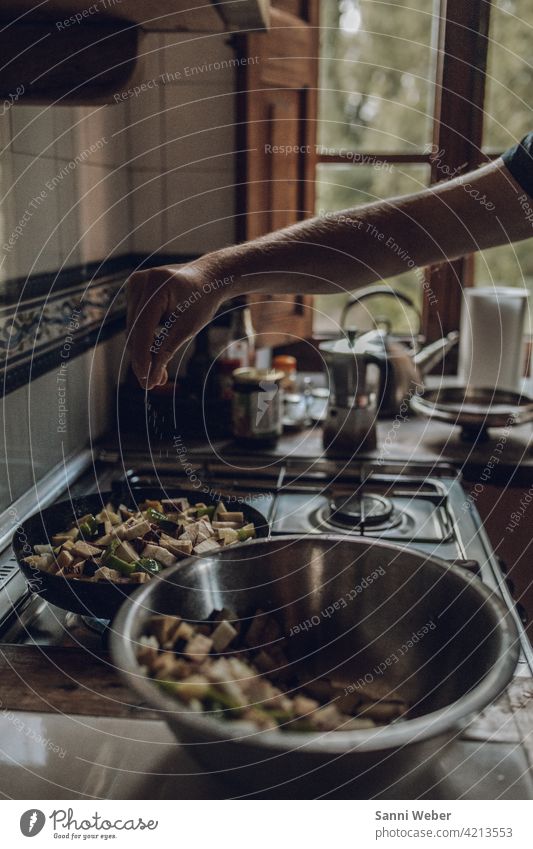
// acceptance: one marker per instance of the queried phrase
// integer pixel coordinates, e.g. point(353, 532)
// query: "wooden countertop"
point(52, 679)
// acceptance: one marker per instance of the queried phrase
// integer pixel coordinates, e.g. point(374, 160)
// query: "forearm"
point(344, 250)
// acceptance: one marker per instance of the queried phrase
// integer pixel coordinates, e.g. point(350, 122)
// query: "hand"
point(179, 300)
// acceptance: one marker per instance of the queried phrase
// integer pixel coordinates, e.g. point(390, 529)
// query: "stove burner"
point(356, 510)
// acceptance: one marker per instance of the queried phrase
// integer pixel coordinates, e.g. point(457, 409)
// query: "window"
point(399, 76)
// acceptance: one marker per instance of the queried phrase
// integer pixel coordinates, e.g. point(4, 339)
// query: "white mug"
point(492, 337)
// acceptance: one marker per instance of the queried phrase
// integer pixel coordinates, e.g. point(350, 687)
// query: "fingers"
point(144, 315)
point(166, 350)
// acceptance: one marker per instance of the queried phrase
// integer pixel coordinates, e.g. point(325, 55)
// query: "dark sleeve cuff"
point(519, 161)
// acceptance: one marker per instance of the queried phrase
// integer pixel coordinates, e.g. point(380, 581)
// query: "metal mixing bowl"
point(365, 601)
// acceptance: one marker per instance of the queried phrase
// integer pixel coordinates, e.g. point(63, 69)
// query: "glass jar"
point(257, 405)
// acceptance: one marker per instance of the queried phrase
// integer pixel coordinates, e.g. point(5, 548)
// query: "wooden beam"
point(459, 97)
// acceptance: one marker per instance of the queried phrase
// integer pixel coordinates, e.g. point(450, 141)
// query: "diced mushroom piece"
point(64, 559)
point(227, 536)
point(148, 650)
point(303, 706)
point(184, 632)
point(192, 532)
point(221, 509)
point(125, 512)
point(178, 547)
point(223, 635)
point(108, 514)
point(327, 718)
point(193, 687)
point(218, 526)
point(164, 627)
point(253, 636)
point(161, 554)
point(234, 517)
point(59, 539)
point(168, 666)
point(177, 504)
point(44, 562)
point(42, 549)
point(139, 577)
point(104, 573)
point(126, 552)
point(259, 719)
point(205, 546)
point(198, 648)
point(133, 529)
point(83, 549)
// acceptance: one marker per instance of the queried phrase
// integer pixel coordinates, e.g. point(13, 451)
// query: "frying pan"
point(101, 599)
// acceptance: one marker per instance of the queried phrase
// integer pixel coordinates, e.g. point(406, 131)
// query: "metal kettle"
point(402, 368)
point(354, 378)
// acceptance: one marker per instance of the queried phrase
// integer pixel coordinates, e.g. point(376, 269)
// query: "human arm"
point(329, 254)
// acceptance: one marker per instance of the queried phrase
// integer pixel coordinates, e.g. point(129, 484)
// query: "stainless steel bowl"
point(363, 602)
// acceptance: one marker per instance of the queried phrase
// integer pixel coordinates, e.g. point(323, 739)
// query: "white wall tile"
point(37, 249)
point(148, 202)
point(64, 119)
point(104, 212)
point(33, 130)
point(200, 134)
point(200, 212)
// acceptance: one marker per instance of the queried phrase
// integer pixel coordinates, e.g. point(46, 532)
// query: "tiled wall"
point(155, 172)
point(182, 145)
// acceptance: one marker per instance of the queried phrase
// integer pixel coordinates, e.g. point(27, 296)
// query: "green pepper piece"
point(160, 519)
point(114, 562)
point(205, 511)
point(219, 700)
point(110, 550)
point(148, 564)
point(243, 534)
point(89, 528)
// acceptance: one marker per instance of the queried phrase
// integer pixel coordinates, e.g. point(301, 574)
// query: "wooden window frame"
point(460, 80)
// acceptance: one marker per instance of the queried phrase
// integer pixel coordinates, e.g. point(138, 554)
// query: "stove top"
point(416, 505)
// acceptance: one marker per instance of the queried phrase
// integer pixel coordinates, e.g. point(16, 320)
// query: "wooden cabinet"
point(278, 128)
point(72, 51)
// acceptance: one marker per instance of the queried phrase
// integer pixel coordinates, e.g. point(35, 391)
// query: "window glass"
point(341, 186)
point(376, 75)
point(508, 103)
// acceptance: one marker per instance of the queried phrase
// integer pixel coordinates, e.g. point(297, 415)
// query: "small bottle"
point(239, 352)
point(286, 364)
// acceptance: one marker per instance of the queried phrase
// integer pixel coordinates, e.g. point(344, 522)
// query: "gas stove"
point(415, 505)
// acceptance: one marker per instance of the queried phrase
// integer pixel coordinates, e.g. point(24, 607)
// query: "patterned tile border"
point(64, 320)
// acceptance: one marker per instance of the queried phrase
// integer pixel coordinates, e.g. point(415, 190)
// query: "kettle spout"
point(432, 354)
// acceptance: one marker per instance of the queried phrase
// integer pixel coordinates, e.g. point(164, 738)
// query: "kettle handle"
point(370, 292)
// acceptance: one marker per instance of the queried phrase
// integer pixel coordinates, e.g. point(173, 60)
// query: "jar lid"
point(284, 362)
point(251, 376)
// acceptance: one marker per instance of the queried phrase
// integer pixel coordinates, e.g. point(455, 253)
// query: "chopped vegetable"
point(149, 565)
point(124, 544)
point(242, 673)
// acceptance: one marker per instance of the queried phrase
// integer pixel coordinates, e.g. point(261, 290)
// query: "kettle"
point(354, 378)
point(402, 368)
